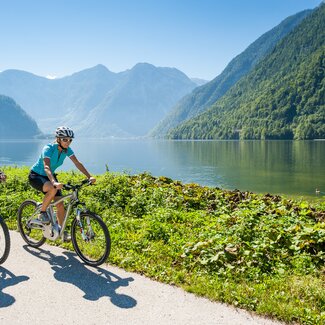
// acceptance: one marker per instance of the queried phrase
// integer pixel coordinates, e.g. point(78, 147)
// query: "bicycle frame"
point(71, 203)
point(89, 233)
point(49, 231)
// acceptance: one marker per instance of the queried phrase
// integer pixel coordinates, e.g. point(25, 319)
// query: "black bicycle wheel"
point(93, 244)
point(32, 236)
point(4, 241)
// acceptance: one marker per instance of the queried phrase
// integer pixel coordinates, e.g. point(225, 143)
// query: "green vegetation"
point(283, 97)
point(263, 253)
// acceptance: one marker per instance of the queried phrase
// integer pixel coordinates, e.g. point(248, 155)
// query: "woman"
point(42, 176)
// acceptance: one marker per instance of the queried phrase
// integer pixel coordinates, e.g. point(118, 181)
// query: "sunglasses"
point(66, 139)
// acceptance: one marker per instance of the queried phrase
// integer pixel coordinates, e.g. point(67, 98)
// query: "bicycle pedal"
point(35, 222)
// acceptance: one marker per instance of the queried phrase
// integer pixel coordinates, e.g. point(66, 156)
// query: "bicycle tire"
point(33, 237)
point(4, 236)
point(97, 239)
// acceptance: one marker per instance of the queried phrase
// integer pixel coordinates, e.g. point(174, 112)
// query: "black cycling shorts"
point(37, 181)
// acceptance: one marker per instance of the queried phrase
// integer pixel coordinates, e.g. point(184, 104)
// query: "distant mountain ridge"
point(141, 100)
point(199, 81)
point(283, 97)
point(203, 97)
point(14, 122)
point(98, 102)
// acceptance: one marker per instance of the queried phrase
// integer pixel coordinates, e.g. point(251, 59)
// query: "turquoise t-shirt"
point(56, 157)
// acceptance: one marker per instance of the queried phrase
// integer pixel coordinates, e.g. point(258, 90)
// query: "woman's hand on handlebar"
point(57, 185)
point(92, 180)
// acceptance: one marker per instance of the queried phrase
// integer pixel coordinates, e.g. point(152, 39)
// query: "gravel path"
point(51, 286)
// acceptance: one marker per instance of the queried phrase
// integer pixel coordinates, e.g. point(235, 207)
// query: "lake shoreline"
point(292, 168)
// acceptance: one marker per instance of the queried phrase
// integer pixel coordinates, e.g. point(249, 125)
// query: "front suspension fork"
point(82, 230)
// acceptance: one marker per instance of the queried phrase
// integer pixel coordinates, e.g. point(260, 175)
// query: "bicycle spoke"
point(32, 236)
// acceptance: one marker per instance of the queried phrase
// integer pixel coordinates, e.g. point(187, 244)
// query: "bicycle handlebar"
point(69, 186)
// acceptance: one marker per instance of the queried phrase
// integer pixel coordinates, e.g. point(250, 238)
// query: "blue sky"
point(198, 37)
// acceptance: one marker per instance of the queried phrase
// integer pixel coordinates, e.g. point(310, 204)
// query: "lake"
point(278, 167)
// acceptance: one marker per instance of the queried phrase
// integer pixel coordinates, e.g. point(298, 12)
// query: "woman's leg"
point(60, 212)
point(50, 193)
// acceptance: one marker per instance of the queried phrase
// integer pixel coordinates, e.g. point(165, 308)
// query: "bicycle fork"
point(88, 234)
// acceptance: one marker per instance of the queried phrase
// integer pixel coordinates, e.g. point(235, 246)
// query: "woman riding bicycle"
point(42, 176)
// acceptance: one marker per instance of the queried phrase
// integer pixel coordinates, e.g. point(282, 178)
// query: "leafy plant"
point(265, 253)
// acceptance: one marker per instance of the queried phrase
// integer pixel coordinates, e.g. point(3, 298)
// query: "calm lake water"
point(279, 167)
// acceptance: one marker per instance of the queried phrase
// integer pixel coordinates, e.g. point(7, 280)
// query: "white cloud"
point(50, 77)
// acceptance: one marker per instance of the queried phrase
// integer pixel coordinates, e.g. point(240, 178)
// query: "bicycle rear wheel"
point(91, 239)
point(4, 241)
point(26, 212)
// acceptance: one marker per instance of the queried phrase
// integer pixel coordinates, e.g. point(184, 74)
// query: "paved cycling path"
point(51, 286)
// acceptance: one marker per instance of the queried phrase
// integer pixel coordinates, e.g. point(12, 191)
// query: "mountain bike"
point(89, 234)
point(4, 241)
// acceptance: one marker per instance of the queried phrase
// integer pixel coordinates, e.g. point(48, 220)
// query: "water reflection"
point(284, 167)
point(17, 152)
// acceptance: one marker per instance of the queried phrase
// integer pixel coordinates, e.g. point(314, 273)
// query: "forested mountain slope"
point(14, 122)
point(203, 97)
point(283, 97)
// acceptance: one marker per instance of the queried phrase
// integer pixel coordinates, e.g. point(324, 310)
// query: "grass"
point(264, 253)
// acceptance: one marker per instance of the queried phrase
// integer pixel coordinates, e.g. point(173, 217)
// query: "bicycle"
point(89, 234)
point(4, 241)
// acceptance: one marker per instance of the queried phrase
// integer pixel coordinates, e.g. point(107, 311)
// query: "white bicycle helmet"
point(64, 132)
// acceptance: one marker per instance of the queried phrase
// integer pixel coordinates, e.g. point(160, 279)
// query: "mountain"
point(139, 101)
point(199, 82)
point(30, 91)
point(283, 97)
point(203, 97)
point(14, 122)
point(83, 91)
point(97, 101)
point(49, 101)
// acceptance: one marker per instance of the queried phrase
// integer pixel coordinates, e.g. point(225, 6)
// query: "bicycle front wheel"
point(90, 238)
point(4, 241)
point(32, 236)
